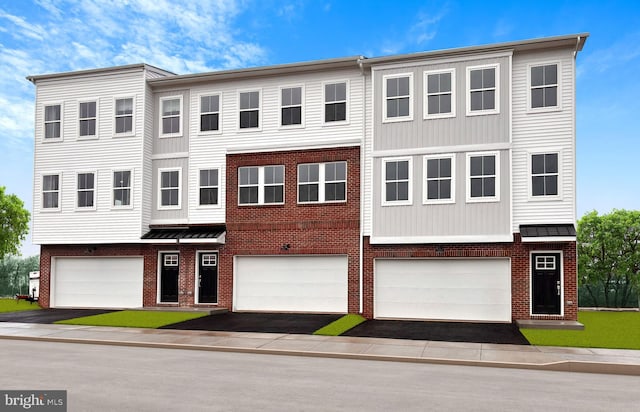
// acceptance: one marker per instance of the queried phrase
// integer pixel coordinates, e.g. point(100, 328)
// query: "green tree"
point(609, 256)
point(14, 223)
point(14, 274)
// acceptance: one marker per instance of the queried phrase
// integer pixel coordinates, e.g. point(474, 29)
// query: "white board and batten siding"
point(443, 289)
point(540, 132)
point(101, 155)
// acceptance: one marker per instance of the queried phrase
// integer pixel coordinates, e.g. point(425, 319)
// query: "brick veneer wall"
point(520, 269)
point(308, 229)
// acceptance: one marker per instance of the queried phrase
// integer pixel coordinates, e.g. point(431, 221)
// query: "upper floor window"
point(335, 102)
point(124, 115)
point(544, 86)
point(291, 110)
point(86, 190)
point(483, 90)
point(322, 182)
point(210, 113)
point(170, 188)
point(87, 119)
point(397, 181)
point(544, 174)
point(483, 172)
point(439, 178)
point(171, 116)
point(50, 191)
point(261, 185)
point(208, 187)
point(250, 110)
point(439, 98)
point(122, 188)
point(398, 98)
point(52, 121)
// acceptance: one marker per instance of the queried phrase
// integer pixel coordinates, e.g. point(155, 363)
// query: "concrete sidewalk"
point(615, 361)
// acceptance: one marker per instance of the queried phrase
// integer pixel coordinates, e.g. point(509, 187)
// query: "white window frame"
point(171, 262)
point(169, 207)
point(261, 186)
point(133, 116)
point(545, 262)
point(383, 180)
point(281, 106)
point(346, 103)
point(495, 110)
point(45, 122)
point(496, 197)
point(530, 176)
point(180, 116)
point(425, 179)
point(385, 98)
point(42, 192)
point(425, 106)
point(208, 256)
point(322, 181)
point(217, 186)
point(80, 119)
point(558, 106)
point(260, 110)
point(114, 188)
point(200, 113)
point(94, 190)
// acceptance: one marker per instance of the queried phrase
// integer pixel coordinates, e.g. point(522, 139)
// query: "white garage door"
point(290, 283)
point(469, 289)
point(97, 282)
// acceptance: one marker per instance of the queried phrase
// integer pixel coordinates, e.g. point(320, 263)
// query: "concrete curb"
point(560, 366)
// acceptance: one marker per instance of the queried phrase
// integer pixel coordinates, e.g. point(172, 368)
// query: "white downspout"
point(362, 169)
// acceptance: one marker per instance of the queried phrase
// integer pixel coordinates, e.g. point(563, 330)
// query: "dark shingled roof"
point(199, 232)
point(562, 230)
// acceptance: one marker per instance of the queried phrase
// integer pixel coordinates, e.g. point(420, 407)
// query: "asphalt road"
point(115, 378)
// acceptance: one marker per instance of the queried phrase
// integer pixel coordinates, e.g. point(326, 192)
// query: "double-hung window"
point(483, 95)
point(86, 190)
point(124, 116)
point(544, 174)
point(439, 173)
point(439, 100)
point(261, 185)
point(322, 182)
point(250, 110)
point(87, 119)
point(52, 121)
point(171, 116)
point(50, 191)
point(208, 187)
point(397, 181)
point(210, 113)
point(291, 102)
point(544, 86)
point(484, 174)
point(122, 188)
point(398, 97)
point(335, 102)
point(170, 188)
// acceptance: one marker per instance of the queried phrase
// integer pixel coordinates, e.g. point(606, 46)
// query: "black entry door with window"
point(546, 283)
point(169, 269)
point(208, 277)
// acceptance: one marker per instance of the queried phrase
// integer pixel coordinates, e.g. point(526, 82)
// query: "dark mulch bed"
point(49, 315)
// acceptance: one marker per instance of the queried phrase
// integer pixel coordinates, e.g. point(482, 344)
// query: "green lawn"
point(615, 330)
point(11, 305)
point(340, 326)
point(134, 319)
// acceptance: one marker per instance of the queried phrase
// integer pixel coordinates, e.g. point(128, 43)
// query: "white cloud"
point(420, 32)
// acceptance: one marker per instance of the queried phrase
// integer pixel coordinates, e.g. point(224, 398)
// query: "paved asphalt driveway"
point(49, 315)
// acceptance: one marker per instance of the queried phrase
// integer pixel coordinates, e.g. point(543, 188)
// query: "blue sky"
point(44, 36)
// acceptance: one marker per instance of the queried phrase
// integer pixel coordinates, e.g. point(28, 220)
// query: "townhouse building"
point(435, 185)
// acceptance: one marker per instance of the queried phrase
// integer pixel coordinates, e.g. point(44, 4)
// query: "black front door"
point(169, 268)
point(546, 283)
point(207, 277)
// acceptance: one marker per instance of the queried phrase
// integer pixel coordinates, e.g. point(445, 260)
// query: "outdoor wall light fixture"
point(286, 246)
point(439, 249)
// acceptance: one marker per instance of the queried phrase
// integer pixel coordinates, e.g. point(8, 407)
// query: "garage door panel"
point(291, 283)
point(98, 282)
point(449, 289)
